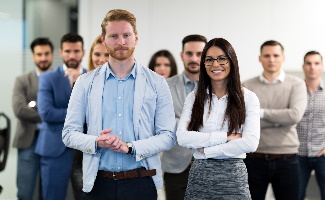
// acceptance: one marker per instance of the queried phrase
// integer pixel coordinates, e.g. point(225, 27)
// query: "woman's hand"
point(233, 136)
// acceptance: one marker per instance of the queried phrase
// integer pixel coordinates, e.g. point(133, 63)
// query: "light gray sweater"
point(284, 105)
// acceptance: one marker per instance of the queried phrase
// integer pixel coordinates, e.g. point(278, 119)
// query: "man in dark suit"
point(53, 97)
point(176, 162)
point(29, 122)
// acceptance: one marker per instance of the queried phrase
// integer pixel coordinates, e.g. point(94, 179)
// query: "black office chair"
point(4, 141)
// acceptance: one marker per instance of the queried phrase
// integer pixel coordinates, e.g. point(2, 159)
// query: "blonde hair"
point(119, 15)
point(91, 66)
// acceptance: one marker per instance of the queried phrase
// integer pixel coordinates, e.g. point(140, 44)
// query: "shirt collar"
point(321, 86)
point(187, 80)
point(278, 79)
point(65, 69)
point(37, 72)
point(133, 72)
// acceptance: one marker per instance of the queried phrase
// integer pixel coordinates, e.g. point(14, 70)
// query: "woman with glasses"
point(163, 63)
point(221, 121)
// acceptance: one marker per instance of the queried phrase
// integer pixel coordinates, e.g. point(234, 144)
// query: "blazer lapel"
point(95, 97)
point(180, 89)
point(140, 84)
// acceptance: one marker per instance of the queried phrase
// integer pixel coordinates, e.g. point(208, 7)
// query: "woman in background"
point(221, 121)
point(163, 63)
point(98, 56)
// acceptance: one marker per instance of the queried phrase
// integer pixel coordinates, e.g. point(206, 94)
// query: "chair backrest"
point(4, 141)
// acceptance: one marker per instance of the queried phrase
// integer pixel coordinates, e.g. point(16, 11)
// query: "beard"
point(74, 64)
point(43, 65)
point(192, 70)
point(120, 56)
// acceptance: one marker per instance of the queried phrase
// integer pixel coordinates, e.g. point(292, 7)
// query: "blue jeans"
point(307, 164)
point(28, 166)
point(282, 173)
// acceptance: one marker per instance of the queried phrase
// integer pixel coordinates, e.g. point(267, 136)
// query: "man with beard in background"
point(28, 120)
point(53, 97)
point(176, 163)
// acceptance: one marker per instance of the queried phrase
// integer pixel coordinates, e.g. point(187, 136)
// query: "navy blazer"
point(54, 92)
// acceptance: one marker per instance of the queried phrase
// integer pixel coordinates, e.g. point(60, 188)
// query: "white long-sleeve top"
point(213, 135)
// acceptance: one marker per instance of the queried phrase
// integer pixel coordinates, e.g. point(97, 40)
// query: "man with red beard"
point(29, 122)
point(130, 117)
point(53, 96)
point(176, 163)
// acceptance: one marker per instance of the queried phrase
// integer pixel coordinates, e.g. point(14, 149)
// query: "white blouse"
point(213, 135)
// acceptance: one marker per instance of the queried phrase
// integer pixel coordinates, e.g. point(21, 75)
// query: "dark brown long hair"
point(235, 111)
point(169, 56)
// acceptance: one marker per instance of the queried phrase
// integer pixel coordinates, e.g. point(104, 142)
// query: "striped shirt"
point(311, 129)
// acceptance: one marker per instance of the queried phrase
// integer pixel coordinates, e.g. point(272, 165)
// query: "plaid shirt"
point(311, 128)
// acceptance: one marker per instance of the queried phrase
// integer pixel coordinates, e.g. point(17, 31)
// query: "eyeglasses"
point(220, 60)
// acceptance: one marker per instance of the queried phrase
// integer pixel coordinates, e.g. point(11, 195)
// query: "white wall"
point(11, 66)
point(297, 24)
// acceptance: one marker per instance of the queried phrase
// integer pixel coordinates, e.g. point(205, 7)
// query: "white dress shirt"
point(213, 135)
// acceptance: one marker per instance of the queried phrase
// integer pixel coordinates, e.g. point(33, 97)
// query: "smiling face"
point(99, 55)
point(217, 72)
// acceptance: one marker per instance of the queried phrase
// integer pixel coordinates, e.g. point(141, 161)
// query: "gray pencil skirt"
point(218, 179)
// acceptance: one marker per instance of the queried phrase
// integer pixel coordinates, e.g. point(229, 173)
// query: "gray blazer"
point(25, 91)
point(177, 159)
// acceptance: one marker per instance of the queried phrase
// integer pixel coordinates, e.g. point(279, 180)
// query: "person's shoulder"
point(293, 79)
point(174, 79)
point(249, 95)
point(251, 80)
point(51, 73)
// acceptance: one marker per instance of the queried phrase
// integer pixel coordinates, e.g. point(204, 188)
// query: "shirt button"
point(119, 97)
point(119, 168)
point(120, 81)
point(119, 115)
point(120, 133)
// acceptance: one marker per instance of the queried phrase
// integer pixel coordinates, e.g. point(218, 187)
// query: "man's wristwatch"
point(130, 147)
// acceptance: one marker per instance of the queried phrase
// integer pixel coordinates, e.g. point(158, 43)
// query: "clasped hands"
point(73, 74)
point(231, 136)
point(112, 142)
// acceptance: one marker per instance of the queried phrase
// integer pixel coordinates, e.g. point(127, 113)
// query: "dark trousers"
point(307, 164)
point(142, 188)
point(175, 184)
point(76, 174)
point(282, 173)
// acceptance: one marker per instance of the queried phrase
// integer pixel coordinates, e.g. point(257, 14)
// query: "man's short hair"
point(272, 43)
point(72, 38)
point(313, 53)
point(119, 15)
point(41, 41)
point(193, 38)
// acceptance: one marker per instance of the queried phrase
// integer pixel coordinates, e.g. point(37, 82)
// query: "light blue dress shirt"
point(189, 86)
point(118, 97)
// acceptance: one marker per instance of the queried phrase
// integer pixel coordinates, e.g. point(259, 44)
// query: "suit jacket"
point(153, 120)
point(53, 98)
point(25, 91)
point(177, 159)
